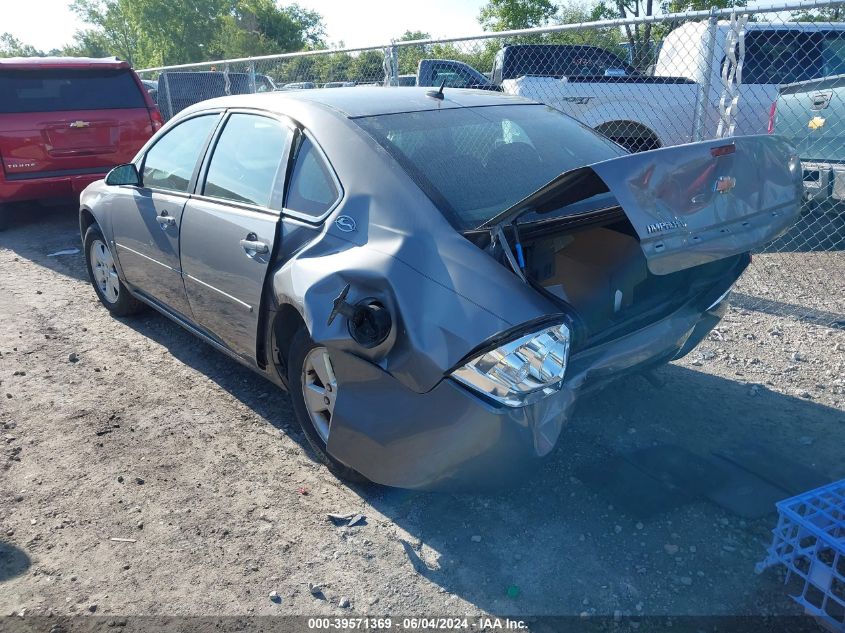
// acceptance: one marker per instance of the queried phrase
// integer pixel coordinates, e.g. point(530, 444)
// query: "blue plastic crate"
point(810, 541)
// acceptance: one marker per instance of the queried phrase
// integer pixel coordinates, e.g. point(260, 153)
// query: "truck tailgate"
point(811, 116)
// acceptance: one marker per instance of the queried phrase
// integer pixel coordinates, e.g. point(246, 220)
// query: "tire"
point(4, 217)
point(103, 275)
point(304, 351)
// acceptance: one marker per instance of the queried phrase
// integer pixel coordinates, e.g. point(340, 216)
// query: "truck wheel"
point(313, 391)
point(4, 217)
point(103, 275)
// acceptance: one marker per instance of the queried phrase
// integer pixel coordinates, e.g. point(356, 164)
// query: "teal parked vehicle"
point(811, 116)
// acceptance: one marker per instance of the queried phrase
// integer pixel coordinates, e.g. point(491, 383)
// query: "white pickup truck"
point(644, 112)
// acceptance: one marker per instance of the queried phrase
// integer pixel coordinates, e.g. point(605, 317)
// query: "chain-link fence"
point(646, 83)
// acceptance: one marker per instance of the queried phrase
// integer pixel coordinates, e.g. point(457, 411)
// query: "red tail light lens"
point(772, 112)
point(156, 119)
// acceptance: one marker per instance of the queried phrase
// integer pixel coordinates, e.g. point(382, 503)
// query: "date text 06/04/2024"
point(416, 624)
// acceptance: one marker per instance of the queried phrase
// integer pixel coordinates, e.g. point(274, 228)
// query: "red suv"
point(64, 122)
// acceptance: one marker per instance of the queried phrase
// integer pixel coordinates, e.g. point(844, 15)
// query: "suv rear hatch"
point(63, 121)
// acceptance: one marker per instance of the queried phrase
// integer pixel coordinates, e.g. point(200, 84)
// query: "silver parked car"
point(434, 277)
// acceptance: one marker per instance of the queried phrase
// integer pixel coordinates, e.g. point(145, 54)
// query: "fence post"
point(252, 86)
point(391, 65)
point(703, 97)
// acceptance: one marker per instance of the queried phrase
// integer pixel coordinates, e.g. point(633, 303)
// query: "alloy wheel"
point(104, 271)
point(319, 389)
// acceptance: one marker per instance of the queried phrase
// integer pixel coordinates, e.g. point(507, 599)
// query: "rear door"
point(229, 228)
point(61, 122)
point(146, 220)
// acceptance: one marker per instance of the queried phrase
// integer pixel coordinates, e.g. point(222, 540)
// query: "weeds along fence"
point(646, 83)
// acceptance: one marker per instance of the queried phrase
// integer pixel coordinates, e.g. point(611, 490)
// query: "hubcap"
point(319, 388)
point(104, 271)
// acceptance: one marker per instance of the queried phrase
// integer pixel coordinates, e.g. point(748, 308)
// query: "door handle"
point(253, 247)
point(164, 220)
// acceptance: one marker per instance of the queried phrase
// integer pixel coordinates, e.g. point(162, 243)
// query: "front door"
point(147, 219)
point(229, 228)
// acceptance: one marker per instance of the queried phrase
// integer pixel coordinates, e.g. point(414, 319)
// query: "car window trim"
point(299, 215)
point(195, 173)
point(202, 175)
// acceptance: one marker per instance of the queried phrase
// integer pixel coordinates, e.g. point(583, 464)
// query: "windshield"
point(476, 162)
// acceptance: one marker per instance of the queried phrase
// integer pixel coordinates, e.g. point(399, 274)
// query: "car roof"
point(77, 63)
point(361, 101)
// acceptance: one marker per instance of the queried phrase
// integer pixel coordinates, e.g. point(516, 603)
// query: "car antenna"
point(436, 94)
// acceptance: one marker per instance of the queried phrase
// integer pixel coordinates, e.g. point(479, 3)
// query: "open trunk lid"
point(690, 204)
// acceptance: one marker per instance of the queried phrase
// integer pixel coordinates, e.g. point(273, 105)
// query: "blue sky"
point(355, 22)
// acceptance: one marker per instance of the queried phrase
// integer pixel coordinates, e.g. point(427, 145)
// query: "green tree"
point(826, 14)
point(410, 56)
point(260, 27)
point(10, 46)
point(506, 15)
point(164, 32)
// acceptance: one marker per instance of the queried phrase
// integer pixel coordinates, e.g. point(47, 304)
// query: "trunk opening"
point(595, 267)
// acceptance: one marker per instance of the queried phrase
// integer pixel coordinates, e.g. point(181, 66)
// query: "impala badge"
point(80, 124)
point(724, 184)
point(662, 227)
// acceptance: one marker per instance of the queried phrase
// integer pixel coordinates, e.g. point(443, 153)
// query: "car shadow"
point(36, 231)
point(561, 544)
point(13, 561)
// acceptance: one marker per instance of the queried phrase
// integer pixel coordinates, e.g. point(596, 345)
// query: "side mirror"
point(124, 175)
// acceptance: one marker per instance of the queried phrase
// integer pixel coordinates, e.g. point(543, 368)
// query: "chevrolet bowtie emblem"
point(80, 124)
point(816, 122)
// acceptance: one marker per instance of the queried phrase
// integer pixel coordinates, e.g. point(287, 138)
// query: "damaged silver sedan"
point(434, 277)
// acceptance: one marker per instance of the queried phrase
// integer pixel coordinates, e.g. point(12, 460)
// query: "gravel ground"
point(133, 429)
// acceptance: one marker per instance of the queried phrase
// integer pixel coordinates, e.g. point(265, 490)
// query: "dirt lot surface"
point(133, 429)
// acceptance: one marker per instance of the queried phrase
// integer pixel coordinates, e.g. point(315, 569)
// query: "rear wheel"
point(4, 217)
point(314, 390)
point(103, 274)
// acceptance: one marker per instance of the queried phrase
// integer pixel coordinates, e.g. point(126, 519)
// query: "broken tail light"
point(522, 371)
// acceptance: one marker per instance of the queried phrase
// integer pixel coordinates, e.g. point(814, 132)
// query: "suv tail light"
point(156, 119)
point(772, 112)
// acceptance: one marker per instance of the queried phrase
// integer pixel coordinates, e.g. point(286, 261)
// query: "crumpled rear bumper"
point(451, 438)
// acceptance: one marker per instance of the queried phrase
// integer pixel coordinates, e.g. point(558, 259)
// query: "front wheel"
point(103, 275)
point(314, 389)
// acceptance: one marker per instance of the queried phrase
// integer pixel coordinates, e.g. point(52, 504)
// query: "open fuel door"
point(690, 204)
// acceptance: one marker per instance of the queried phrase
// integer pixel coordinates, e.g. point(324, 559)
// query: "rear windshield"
point(554, 61)
point(476, 162)
point(63, 90)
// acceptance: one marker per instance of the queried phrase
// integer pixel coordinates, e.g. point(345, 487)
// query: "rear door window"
point(247, 163)
point(170, 163)
point(313, 190)
point(65, 90)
